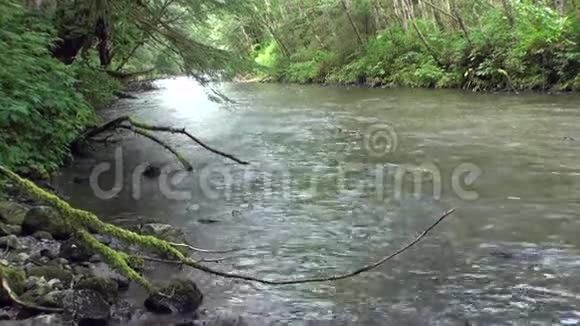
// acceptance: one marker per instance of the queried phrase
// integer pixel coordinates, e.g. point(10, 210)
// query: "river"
point(333, 184)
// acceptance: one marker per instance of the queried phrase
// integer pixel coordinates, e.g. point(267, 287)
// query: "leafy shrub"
point(40, 111)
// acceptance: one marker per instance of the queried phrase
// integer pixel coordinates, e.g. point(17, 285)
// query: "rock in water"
point(181, 296)
point(12, 213)
point(44, 218)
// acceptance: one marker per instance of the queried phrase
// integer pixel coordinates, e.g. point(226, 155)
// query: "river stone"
point(44, 218)
point(182, 296)
point(86, 307)
point(42, 235)
point(74, 252)
point(51, 272)
point(7, 229)
point(108, 288)
point(12, 213)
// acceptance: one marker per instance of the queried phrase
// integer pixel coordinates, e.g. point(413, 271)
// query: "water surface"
point(321, 194)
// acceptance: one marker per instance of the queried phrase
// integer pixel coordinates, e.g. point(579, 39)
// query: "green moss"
point(16, 277)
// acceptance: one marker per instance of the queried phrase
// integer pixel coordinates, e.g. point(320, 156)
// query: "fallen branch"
point(78, 221)
point(337, 277)
point(145, 134)
point(127, 122)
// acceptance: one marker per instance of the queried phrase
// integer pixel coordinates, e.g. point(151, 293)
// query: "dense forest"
point(62, 59)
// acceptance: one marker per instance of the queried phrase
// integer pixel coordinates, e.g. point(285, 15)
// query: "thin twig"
point(119, 123)
point(363, 269)
point(209, 251)
point(177, 262)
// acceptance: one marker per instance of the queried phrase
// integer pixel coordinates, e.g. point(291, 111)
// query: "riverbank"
point(537, 50)
point(51, 279)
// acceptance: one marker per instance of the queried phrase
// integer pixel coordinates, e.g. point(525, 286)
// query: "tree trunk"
point(461, 23)
point(311, 25)
point(352, 22)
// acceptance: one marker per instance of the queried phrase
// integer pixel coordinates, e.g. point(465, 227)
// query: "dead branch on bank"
point(79, 221)
point(126, 122)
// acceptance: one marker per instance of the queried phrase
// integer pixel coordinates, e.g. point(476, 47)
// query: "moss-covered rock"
point(52, 272)
point(16, 278)
point(181, 296)
point(44, 218)
point(108, 288)
point(12, 213)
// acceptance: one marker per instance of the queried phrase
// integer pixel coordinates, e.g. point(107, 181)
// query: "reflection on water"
point(322, 200)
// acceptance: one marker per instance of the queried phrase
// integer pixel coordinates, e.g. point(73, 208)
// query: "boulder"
point(107, 288)
point(12, 213)
point(181, 296)
point(52, 272)
point(44, 218)
point(85, 307)
point(74, 252)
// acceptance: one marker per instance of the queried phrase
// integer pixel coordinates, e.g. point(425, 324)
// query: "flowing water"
point(327, 191)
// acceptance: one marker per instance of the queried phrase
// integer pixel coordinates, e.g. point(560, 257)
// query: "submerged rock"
point(12, 212)
point(181, 296)
point(44, 218)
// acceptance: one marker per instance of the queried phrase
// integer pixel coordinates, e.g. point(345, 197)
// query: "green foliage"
point(40, 111)
point(539, 51)
point(95, 85)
